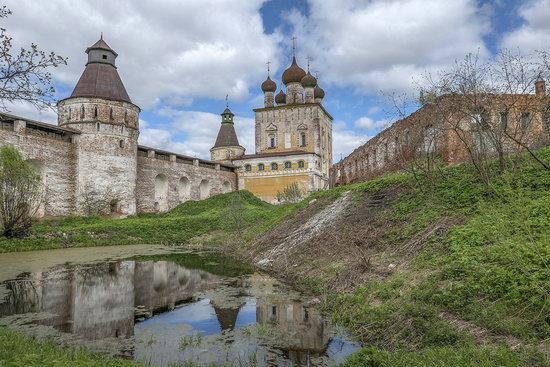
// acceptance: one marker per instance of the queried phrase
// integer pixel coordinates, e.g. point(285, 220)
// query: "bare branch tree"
point(23, 75)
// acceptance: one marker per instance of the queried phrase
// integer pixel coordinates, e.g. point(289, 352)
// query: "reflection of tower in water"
point(304, 331)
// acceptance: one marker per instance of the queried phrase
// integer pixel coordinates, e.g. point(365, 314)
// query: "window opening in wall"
point(114, 206)
point(525, 121)
point(82, 112)
point(386, 153)
point(288, 165)
point(272, 141)
point(303, 139)
point(546, 119)
point(301, 164)
point(503, 120)
point(121, 143)
point(97, 126)
point(247, 167)
point(111, 113)
point(261, 167)
point(274, 166)
point(95, 111)
point(125, 116)
point(104, 57)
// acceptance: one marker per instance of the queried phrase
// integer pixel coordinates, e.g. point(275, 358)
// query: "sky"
point(179, 58)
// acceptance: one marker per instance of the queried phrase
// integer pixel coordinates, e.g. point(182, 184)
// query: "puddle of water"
point(160, 312)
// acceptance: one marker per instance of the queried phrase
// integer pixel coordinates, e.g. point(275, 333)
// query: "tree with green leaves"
point(20, 193)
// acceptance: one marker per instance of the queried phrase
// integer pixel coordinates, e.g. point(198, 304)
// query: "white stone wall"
point(183, 181)
point(55, 154)
point(106, 150)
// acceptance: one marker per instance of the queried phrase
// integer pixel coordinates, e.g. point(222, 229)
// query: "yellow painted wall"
point(267, 188)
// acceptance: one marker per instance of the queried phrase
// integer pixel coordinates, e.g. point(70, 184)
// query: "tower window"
point(301, 164)
point(261, 167)
point(104, 57)
point(288, 165)
point(121, 143)
point(97, 126)
point(111, 113)
point(247, 167)
point(272, 141)
point(95, 111)
point(274, 166)
point(82, 112)
point(303, 141)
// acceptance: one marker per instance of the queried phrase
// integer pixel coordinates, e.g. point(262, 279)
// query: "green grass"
point(489, 268)
point(18, 350)
point(491, 271)
point(238, 212)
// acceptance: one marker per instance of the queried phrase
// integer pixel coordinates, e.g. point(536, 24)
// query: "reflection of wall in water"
point(162, 284)
point(98, 301)
point(306, 333)
point(104, 297)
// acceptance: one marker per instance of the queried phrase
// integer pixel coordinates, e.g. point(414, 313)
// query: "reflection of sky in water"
point(199, 315)
point(247, 314)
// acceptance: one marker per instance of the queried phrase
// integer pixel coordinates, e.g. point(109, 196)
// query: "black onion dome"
point(269, 85)
point(280, 98)
point(308, 81)
point(318, 92)
point(294, 73)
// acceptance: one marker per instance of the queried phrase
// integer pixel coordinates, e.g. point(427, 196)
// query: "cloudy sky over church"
point(179, 59)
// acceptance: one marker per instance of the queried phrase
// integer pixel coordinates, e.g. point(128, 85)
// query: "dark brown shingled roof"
point(102, 45)
point(227, 137)
point(101, 80)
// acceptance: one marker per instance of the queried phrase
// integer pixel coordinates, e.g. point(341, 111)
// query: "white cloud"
point(534, 34)
point(382, 44)
point(169, 50)
point(368, 123)
point(199, 130)
point(344, 140)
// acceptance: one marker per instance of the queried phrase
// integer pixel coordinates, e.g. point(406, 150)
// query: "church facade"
point(293, 143)
point(91, 162)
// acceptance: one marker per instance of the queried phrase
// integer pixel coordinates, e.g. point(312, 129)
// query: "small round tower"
point(106, 148)
point(227, 145)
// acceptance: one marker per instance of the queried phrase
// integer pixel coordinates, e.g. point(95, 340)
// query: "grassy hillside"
point(452, 273)
point(239, 212)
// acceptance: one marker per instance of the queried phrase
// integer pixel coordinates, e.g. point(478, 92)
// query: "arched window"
point(247, 167)
point(95, 112)
point(301, 164)
point(274, 166)
point(82, 111)
point(97, 126)
point(261, 167)
point(272, 140)
point(288, 165)
point(303, 140)
point(111, 113)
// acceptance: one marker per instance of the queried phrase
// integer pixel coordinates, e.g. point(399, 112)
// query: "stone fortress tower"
point(227, 145)
point(106, 150)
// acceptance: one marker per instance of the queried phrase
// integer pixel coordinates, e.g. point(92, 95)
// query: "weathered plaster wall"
point(434, 129)
point(166, 180)
point(53, 154)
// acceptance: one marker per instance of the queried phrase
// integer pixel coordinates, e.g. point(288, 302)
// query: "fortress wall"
point(166, 180)
point(427, 131)
point(53, 154)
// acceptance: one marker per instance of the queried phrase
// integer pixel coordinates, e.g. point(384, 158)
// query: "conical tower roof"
point(100, 78)
point(227, 137)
